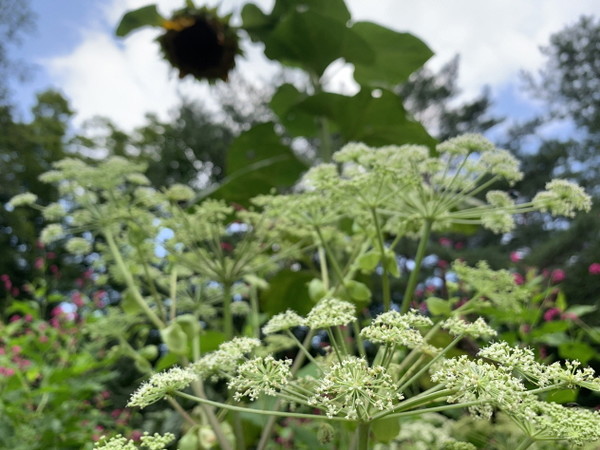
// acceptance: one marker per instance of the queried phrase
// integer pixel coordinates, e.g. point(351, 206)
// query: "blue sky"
point(74, 49)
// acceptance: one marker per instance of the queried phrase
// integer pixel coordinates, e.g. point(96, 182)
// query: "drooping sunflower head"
point(200, 43)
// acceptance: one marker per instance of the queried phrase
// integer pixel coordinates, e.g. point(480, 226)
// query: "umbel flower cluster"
point(334, 363)
point(363, 389)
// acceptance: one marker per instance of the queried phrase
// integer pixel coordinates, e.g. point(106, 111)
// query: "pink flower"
point(28, 318)
point(459, 245)
point(16, 349)
point(551, 314)
point(557, 275)
point(442, 264)
point(51, 255)
point(516, 257)
point(594, 269)
point(77, 299)
point(7, 371)
point(136, 435)
point(22, 363)
point(15, 292)
point(518, 278)
point(569, 316)
point(6, 280)
point(445, 242)
point(14, 318)
point(43, 339)
point(38, 263)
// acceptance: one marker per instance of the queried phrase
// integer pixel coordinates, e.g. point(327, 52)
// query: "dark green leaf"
point(316, 289)
point(297, 123)
point(566, 396)
point(306, 39)
point(396, 55)
point(368, 262)
point(376, 120)
point(438, 306)
point(358, 291)
point(391, 263)
point(138, 18)
point(580, 351)
point(257, 161)
point(175, 338)
point(386, 429)
point(288, 289)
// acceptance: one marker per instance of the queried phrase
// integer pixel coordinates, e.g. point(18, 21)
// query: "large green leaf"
point(580, 351)
point(296, 122)
point(258, 161)
point(288, 289)
point(396, 55)
point(138, 18)
point(373, 119)
point(306, 39)
point(310, 35)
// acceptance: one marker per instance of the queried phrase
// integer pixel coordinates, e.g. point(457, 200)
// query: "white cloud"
point(124, 79)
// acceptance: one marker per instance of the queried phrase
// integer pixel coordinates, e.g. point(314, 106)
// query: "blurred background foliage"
point(262, 138)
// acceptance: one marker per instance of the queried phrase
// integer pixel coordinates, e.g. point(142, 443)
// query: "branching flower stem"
point(385, 277)
point(130, 281)
point(435, 359)
point(257, 411)
point(414, 275)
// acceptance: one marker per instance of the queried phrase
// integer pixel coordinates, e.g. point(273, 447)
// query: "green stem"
point(525, 443)
point(359, 341)
point(302, 348)
point(414, 275)
point(227, 315)
point(255, 314)
point(418, 412)
point(261, 412)
point(385, 278)
point(182, 412)
point(129, 280)
point(334, 263)
point(363, 435)
point(326, 148)
point(173, 293)
point(212, 419)
point(151, 285)
point(414, 352)
point(238, 431)
point(268, 429)
point(430, 363)
point(324, 271)
point(433, 394)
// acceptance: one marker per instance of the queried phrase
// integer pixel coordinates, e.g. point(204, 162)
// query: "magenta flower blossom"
point(594, 269)
point(557, 275)
point(551, 314)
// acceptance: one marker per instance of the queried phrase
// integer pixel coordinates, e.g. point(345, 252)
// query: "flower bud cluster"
point(331, 312)
point(478, 329)
point(393, 328)
point(260, 376)
point(161, 385)
point(353, 389)
point(148, 441)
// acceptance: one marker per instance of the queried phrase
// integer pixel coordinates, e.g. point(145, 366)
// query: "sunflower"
point(198, 42)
